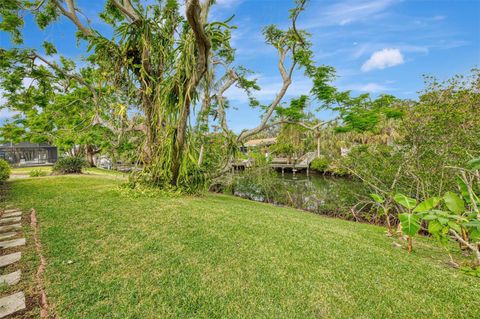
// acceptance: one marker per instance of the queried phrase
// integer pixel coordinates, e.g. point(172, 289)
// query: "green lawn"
point(25, 171)
point(111, 255)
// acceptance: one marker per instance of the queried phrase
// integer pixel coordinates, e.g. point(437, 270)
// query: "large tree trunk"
point(196, 17)
point(90, 154)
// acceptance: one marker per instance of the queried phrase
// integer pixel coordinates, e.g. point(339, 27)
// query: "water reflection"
point(313, 192)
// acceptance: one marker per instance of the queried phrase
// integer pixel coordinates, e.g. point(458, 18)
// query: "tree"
point(158, 63)
point(156, 59)
point(51, 108)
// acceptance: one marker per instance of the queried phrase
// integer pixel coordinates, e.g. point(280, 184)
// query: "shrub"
point(37, 173)
point(4, 170)
point(320, 164)
point(69, 165)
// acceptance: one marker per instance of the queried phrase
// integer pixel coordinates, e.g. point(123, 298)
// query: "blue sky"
point(376, 46)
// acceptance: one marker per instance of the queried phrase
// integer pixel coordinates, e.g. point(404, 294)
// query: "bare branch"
point(232, 78)
point(71, 13)
point(127, 9)
point(314, 127)
point(295, 15)
point(472, 247)
point(287, 80)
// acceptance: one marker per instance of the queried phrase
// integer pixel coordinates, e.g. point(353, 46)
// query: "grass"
point(111, 255)
point(25, 171)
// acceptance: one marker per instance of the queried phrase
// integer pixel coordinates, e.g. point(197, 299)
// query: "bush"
point(4, 170)
point(37, 173)
point(320, 164)
point(69, 165)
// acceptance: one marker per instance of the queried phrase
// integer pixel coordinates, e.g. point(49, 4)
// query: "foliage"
point(410, 221)
point(320, 164)
point(69, 165)
point(52, 108)
point(4, 170)
point(259, 158)
point(139, 86)
point(457, 215)
point(416, 154)
point(152, 66)
point(441, 131)
point(37, 173)
point(384, 206)
point(292, 140)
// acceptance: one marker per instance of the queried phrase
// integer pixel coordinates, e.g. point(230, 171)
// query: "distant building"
point(28, 154)
point(258, 143)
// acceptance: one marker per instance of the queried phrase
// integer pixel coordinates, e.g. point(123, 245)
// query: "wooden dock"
point(291, 164)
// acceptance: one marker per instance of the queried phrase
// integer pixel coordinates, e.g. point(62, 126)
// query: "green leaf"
point(475, 235)
point(410, 223)
point(454, 203)
point(439, 212)
point(427, 205)
point(49, 48)
point(474, 164)
point(379, 199)
point(472, 215)
point(434, 227)
point(405, 201)
point(464, 190)
point(454, 226)
point(430, 217)
point(443, 221)
point(473, 223)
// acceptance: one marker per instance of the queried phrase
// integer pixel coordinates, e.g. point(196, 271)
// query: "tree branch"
point(196, 21)
point(472, 247)
point(127, 9)
point(232, 78)
point(97, 119)
point(295, 15)
point(77, 77)
point(70, 13)
point(287, 80)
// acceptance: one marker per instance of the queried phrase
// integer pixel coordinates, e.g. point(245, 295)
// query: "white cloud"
point(382, 59)
point(360, 50)
point(346, 12)
point(370, 87)
point(439, 18)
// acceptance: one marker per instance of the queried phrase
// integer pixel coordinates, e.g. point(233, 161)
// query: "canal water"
point(314, 192)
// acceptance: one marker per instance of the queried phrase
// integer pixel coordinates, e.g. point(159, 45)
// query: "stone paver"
point(10, 220)
point(8, 228)
point(12, 243)
point(11, 279)
point(14, 214)
point(7, 235)
point(10, 259)
point(12, 210)
point(11, 304)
